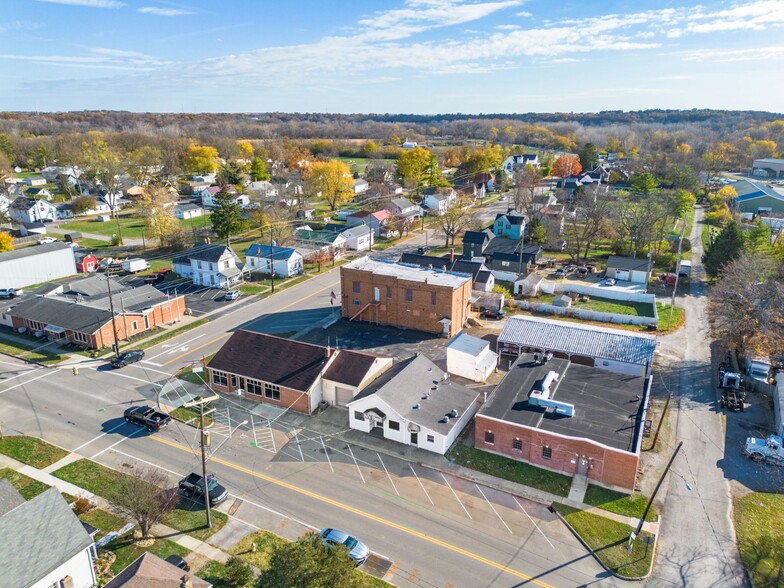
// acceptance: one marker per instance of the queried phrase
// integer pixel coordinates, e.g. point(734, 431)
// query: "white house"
point(5, 203)
point(29, 210)
point(409, 144)
point(210, 265)
point(415, 403)
point(285, 261)
point(263, 188)
point(210, 178)
point(470, 357)
point(360, 186)
point(515, 162)
point(438, 200)
point(208, 196)
point(52, 173)
point(349, 374)
point(629, 269)
point(39, 193)
point(46, 545)
point(359, 238)
point(404, 208)
point(35, 181)
point(188, 211)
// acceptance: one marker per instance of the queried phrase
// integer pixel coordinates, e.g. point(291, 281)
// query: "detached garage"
point(349, 374)
point(629, 269)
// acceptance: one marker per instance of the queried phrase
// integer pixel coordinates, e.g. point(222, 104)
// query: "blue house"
point(510, 225)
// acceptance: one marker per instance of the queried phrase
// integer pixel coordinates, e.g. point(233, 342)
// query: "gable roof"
point(9, 497)
point(359, 214)
point(267, 358)
point(358, 231)
point(150, 571)
point(33, 251)
point(748, 190)
point(476, 237)
point(46, 534)
point(381, 215)
point(628, 263)
point(402, 203)
point(62, 313)
point(203, 252)
point(350, 367)
point(317, 236)
point(503, 246)
point(512, 218)
point(273, 252)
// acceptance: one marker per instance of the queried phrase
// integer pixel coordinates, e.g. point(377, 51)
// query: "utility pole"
point(677, 273)
point(655, 490)
point(114, 318)
point(272, 262)
point(204, 442)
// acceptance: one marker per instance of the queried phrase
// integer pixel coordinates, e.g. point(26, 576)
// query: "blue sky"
point(420, 56)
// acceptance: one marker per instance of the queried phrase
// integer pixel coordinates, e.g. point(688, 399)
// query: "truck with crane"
point(733, 391)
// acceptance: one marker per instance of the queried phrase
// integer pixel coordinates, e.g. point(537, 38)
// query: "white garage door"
point(343, 396)
point(622, 275)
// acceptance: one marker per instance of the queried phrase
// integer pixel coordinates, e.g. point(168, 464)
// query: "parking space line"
point(44, 375)
point(387, 472)
point(152, 465)
point(112, 430)
point(490, 504)
point(139, 430)
point(456, 497)
point(329, 461)
point(533, 521)
point(421, 485)
point(355, 463)
point(296, 438)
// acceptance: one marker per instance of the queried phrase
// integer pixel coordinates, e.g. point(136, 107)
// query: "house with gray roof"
point(214, 266)
point(629, 269)
point(45, 544)
point(267, 259)
point(415, 403)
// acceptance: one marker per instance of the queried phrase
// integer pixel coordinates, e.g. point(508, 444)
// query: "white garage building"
point(36, 264)
point(349, 373)
point(768, 168)
point(470, 357)
point(629, 269)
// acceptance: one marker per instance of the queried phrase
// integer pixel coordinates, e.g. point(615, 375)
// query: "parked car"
point(422, 249)
point(192, 487)
point(154, 279)
point(492, 313)
point(128, 357)
point(357, 550)
point(146, 417)
point(178, 562)
point(232, 295)
point(560, 273)
point(10, 292)
point(46, 240)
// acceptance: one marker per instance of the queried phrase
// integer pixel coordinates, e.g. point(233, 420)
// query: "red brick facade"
point(603, 465)
point(297, 401)
point(403, 303)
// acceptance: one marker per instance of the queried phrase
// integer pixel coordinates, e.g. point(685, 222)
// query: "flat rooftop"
point(607, 405)
point(410, 272)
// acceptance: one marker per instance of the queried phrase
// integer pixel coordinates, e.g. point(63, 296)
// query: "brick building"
point(405, 296)
point(589, 423)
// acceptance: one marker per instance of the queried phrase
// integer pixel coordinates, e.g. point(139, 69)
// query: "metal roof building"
point(615, 350)
point(36, 264)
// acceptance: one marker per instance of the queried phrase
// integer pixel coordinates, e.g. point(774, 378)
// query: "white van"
point(684, 268)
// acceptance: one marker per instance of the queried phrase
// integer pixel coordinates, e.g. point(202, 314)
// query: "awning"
point(54, 329)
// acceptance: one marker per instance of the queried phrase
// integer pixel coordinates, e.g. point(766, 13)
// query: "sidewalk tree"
point(141, 495)
point(456, 219)
point(200, 159)
point(333, 179)
point(727, 246)
point(226, 217)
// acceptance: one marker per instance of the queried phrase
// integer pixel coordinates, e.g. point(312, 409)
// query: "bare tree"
point(589, 221)
point(527, 179)
point(455, 220)
point(141, 495)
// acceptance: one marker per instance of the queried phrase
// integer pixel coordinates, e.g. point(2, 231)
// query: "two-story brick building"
point(406, 296)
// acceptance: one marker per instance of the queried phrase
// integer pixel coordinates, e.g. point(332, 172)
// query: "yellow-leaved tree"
point(201, 159)
point(333, 179)
point(6, 242)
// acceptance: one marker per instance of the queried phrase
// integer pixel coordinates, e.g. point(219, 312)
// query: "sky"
point(390, 56)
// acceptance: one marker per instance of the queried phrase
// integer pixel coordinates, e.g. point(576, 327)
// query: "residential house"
point(148, 571)
point(382, 222)
point(265, 259)
point(53, 173)
point(35, 181)
point(86, 262)
point(758, 198)
point(360, 186)
point(114, 200)
point(510, 225)
point(82, 313)
point(552, 219)
point(208, 196)
point(350, 373)
point(204, 178)
point(216, 266)
point(484, 182)
point(306, 213)
point(529, 285)
point(45, 544)
point(25, 210)
point(475, 242)
point(515, 162)
point(64, 210)
point(470, 357)
point(629, 269)
point(401, 295)
point(359, 238)
point(541, 201)
point(409, 144)
point(39, 193)
point(438, 200)
point(415, 403)
point(319, 242)
point(5, 203)
point(404, 208)
point(482, 277)
point(600, 174)
point(185, 211)
point(263, 188)
point(34, 265)
point(507, 258)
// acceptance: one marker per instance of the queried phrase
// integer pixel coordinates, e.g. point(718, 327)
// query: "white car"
point(232, 295)
point(47, 240)
point(10, 292)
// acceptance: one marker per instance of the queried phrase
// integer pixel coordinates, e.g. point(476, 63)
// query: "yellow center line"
point(359, 512)
point(211, 341)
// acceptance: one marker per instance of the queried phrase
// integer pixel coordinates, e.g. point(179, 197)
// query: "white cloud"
point(88, 3)
point(164, 11)
point(99, 58)
point(523, 14)
point(507, 27)
point(753, 16)
point(733, 55)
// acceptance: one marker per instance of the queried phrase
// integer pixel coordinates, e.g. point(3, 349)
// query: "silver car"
point(357, 550)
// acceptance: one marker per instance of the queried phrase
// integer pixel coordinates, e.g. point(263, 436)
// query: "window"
point(489, 437)
point(355, 287)
point(517, 445)
point(226, 264)
point(389, 292)
point(431, 439)
point(433, 298)
point(253, 387)
point(36, 326)
point(198, 264)
point(394, 425)
point(271, 391)
point(359, 416)
point(409, 295)
point(505, 263)
point(219, 378)
point(134, 325)
point(80, 337)
point(547, 452)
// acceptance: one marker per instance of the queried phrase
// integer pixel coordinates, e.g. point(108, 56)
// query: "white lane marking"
point(23, 365)
point(139, 430)
point(44, 375)
point(112, 430)
point(533, 521)
point(388, 476)
point(355, 463)
point(326, 453)
point(153, 465)
point(115, 373)
point(149, 369)
point(421, 485)
point(151, 363)
point(456, 498)
point(490, 504)
point(168, 346)
point(301, 456)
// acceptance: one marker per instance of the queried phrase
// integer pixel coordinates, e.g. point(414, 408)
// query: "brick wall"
point(298, 401)
point(429, 303)
point(604, 465)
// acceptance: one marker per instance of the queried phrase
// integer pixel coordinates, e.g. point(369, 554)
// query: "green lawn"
point(759, 518)
point(189, 517)
point(619, 503)
point(30, 450)
point(128, 551)
point(510, 469)
point(106, 522)
point(132, 226)
point(25, 485)
point(678, 318)
point(214, 572)
point(190, 415)
point(598, 304)
point(609, 539)
point(25, 351)
point(94, 244)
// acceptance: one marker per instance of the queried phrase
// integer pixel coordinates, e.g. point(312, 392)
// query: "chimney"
point(452, 255)
point(185, 582)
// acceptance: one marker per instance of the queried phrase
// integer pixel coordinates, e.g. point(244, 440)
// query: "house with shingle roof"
point(150, 571)
point(215, 266)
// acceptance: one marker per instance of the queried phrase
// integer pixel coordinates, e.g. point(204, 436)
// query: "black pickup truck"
point(146, 417)
point(192, 487)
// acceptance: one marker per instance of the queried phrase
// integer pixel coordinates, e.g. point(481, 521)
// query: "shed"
point(470, 357)
point(629, 269)
point(563, 301)
point(529, 285)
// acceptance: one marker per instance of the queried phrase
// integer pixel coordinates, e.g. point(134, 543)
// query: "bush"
point(82, 505)
point(666, 259)
point(116, 241)
point(238, 573)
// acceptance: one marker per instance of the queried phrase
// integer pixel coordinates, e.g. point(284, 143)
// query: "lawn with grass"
point(102, 520)
point(190, 415)
point(94, 244)
point(131, 226)
point(30, 351)
point(30, 450)
point(214, 572)
point(25, 485)
point(678, 318)
point(609, 539)
point(623, 504)
point(92, 477)
point(509, 469)
point(189, 517)
point(127, 551)
point(759, 518)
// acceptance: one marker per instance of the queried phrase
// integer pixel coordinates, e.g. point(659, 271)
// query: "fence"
point(549, 287)
point(590, 315)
